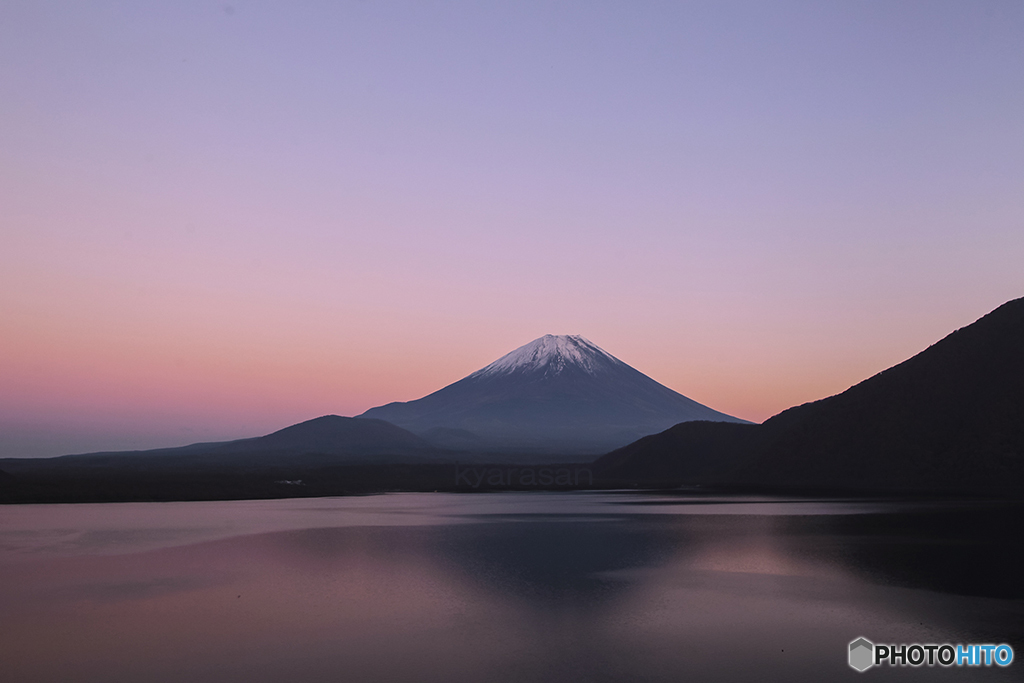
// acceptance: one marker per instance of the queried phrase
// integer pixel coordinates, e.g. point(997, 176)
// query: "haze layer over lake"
point(500, 587)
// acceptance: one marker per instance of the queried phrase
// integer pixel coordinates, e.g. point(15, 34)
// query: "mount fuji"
point(557, 394)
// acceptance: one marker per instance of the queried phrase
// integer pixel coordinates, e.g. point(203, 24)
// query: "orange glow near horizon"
point(213, 225)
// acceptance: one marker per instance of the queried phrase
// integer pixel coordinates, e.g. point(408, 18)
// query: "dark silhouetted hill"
point(690, 452)
point(949, 419)
point(333, 435)
point(330, 455)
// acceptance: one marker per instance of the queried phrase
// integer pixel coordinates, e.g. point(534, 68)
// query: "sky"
point(220, 219)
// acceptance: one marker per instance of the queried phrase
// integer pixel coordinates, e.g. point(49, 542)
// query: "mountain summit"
point(551, 355)
point(557, 394)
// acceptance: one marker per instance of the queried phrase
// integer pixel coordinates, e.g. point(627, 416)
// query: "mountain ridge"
point(328, 435)
point(950, 418)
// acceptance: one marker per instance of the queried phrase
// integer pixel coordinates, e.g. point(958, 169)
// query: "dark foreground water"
point(501, 587)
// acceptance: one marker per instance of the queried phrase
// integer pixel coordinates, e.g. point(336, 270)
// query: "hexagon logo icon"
point(862, 654)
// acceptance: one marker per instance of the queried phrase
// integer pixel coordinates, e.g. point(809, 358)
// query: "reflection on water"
point(499, 587)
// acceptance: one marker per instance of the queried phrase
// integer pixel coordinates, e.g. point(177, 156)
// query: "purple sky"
point(216, 220)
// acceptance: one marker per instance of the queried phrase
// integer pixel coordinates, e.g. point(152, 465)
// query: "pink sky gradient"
point(217, 223)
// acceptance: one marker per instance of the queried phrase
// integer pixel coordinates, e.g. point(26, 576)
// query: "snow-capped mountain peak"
point(553, 353)
point(558, 394)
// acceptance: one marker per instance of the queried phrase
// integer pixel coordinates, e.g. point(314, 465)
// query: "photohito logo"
point(863, 654)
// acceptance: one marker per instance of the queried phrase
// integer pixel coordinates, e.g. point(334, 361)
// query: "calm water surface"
point(501, 587)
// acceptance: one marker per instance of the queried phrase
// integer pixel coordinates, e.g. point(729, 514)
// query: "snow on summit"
point(554, 352)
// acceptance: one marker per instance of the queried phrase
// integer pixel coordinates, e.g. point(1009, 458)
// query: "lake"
point(584, 586)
